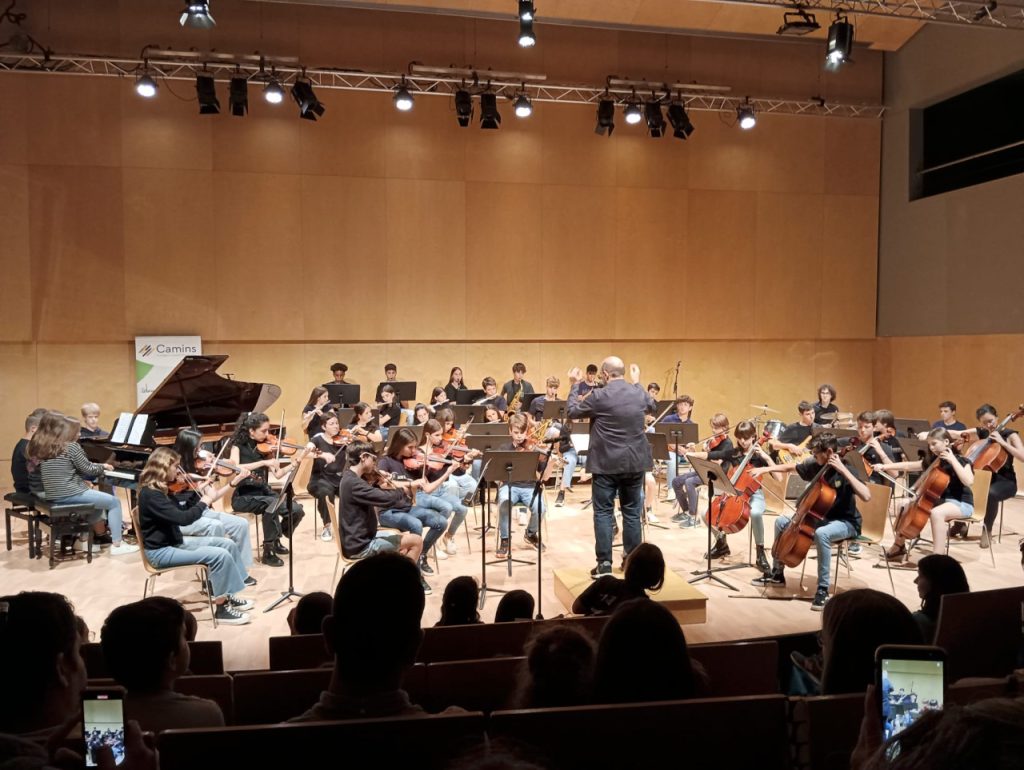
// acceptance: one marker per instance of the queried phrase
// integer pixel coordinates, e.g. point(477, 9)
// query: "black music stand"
point(343, 393)
point(554, 409)
point(462, 412)
point(485, 444)
point(487, 428)
point(287, 496)
point(469, 396)
point(405, 390)
point(510, 467)
point(659, 451)
point(913, 448)
point(711, 473)
point(910, 428)
point(678, 433)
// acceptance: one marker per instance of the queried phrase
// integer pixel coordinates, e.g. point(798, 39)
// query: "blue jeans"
point(220, 555)
point(569, 460)
point(629, 487)
point(414, 520)
point(507, 497)
point(215, 523)
point(445, 504)
point(670, 469)
point(109, 504)
point(824, 536)
point(687, 483)
point(460, 486)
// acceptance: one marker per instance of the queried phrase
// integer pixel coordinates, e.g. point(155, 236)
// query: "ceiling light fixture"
point(197, 15)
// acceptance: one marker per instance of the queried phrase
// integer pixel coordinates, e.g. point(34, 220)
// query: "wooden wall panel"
point(77, 252)
point(793, 159)
point(848, 366)
point(641, 161)
point(20, 387)
point(513, 154)
point(16, 286)
point(573, 153)
point(782, 374)
point(350, 140)
point(917, 366)
point(14, 122)
point(428, 365)
point(267, 141)
point(495, 359)
point(415, 151)
point(75, 121)
point(165, 132)
point(848, 274)
point(724, 154)
point(847, 143)
point(70, 375)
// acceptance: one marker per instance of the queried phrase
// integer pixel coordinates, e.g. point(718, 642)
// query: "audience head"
point(458, 606)
point(937, 575)
point(83, 629)
point(39, 640)
point(375, 641)
point(645, 568)
point(144, 644)
point(307, 617)
point(191, 627)
point(559, 669)
point(642, 656)
point(853, 625)
point(515, 605)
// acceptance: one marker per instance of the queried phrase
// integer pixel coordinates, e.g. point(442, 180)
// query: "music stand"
point(469, 396)
point(342, 393)
point(287, 496)
point(529, 398)
point(663, 405)
point(711, 473)
point(837, 432)
point(554, 409)
point(913, 448)
point(417, 429)
point(487, 428)
point(908, 427)
point(678, 433)
point(511, 467)
point(659, 451)
point(405, 390)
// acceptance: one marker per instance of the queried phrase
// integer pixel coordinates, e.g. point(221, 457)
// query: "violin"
point(207, 465)
point(186, 481)
point(273, 445)
point(452, 441)
point(432, 462)
point(730, 513)
point(791, 547)
point(712, 442)
point(354, 433)
point(985, 454)
point(338, 440)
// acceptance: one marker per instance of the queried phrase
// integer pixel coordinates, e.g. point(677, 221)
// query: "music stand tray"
point(913, 448)
point(489, 444)
point(462, 412)
point(554, 409)
point(487, 428)
point(712, 474)
point(678, 432)
point(659, 445)
point(405, 390)
point(909, 427)
point(468, 396)
point(343, 393)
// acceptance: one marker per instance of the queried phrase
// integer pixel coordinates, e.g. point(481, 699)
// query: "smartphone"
point(103, 723)
point(909, 680)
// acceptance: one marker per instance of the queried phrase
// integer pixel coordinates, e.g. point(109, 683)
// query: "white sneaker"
point(238, 604)
point(449, 545)
point(326, 534)
point(118, 550)
point(651, 518)
point(439, 550)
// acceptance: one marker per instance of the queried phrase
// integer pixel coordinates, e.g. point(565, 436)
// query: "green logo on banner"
point(142, 369)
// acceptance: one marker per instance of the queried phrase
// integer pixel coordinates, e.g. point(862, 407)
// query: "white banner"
point(155, 357)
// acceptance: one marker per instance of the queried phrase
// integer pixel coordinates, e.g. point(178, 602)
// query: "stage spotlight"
point(840, 43)
point(527, 38)
point(745, 116)
point(489, 117)
point(197, 15)
point(463, 107)
point(526, 10)
point(310, 107)
point(206, 93)
point(655, 120)
point(681, 125)
point(402, 97)
point(633, 113)
point(524, 107)
point(145, 86)
point(605, 117)
point(273, 92)
point(238, 96)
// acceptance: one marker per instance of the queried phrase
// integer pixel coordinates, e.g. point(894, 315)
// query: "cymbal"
point(765, 408)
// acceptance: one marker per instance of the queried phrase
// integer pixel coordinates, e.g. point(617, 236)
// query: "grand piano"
point(192, 395)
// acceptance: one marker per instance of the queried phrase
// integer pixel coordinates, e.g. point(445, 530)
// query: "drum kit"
point(773, 427)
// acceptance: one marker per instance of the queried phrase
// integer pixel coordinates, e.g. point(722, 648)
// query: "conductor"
point(618, 456)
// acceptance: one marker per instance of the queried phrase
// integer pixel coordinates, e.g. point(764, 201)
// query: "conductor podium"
point(686, 603)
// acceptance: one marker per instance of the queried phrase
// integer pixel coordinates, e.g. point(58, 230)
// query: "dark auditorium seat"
point(205, 658)
point(739, 668)
point(488, 640)
point(476, 685)
point(288, 653)
point(215, 687)
point(981, 632)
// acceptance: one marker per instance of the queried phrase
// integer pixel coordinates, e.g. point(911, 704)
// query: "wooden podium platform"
point(685, 602)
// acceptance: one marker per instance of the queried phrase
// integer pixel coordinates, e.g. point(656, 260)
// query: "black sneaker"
point(250, 581)
point(679, 518)
point(229, 616)
point(602, 569)
point(280, 548)
point(270, 559)
point(502, 549)
point(560, 499)
point(531, 539)
point(102, 539)
point(425, 586)
point(237, 603)
point(771, 579)
point(719, 550)
point(820, 597)
point(425, 567)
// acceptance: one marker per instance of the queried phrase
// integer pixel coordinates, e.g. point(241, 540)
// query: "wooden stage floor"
point(110, 581)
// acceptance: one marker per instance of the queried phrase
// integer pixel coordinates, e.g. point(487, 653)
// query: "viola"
point(985, 454)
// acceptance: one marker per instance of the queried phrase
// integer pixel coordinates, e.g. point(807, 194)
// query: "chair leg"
point(999, 538)
point(204, 577)
point(334, 577)
point(991, 550)
point(889, 570)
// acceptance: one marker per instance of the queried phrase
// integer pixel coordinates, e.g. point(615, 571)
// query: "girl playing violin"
point(313, 411)
point(957, 501)
point(442, 499)
point(254, 495)
point(718, 447)
point(462, 483)
point(328, 465)
point(363, 426)
point(455, 383)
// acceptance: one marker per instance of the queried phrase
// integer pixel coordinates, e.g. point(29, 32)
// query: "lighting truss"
point(979, 13)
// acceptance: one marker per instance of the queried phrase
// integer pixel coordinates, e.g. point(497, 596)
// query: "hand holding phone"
point(909, 680)
point(103, 724)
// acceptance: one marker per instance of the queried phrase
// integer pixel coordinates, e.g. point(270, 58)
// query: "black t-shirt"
point(256, 482)
point(723, 453)
point(605, 594)
point(323, 470)
point(845, 506)
point(956, 490)
point(19, 466)
point(1007, 471)
point(315, 425)
point(873, 458)
point(824, 415)
point(450, 391)
point(795, 433)
point(394, 411)
point(736, 457)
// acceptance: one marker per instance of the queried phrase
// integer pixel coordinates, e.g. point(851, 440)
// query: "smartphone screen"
point(102, 724)
point(909, 688)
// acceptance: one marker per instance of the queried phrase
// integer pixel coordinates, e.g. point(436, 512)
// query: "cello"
point(928, 491)
point(730, 513)
point(985, 454)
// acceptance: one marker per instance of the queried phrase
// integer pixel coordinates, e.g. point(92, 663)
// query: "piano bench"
point(22, 506)
point(68, 520)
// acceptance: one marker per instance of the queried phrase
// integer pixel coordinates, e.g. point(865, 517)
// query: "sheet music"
point(138, 429)
point(120, 434)
point(581, 441)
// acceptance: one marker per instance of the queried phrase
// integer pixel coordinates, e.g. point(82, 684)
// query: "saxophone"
point(516, 402)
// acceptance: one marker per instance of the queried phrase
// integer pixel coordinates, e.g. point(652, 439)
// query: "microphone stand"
point(288, 496)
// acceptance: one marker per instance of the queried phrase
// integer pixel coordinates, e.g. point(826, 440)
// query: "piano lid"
point(194, 394)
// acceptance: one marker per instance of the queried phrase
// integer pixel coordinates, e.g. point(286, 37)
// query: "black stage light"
point(527, 37)
point(745, 116)
point(489, 117)
point(633, 113)
point(197, 15)
point(206, 93)
point(402, 98)
point(655, 120)
point(146, 86)
point(463, 107)
point(605, 117)
point(840, 43)
point(238, 96)
point(681, 125)
point(310, 107)
point(523, 106)
point(526, 10)
point(273, 92)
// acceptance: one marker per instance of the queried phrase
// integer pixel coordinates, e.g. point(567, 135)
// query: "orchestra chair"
point(874, 515)
point(434, 739)
point(486, 685)
point(341, 560)
point(982, 481)
point(152, 572)
point(980, 631)
point(206, 658)
point(582, 737)
point(21, 505)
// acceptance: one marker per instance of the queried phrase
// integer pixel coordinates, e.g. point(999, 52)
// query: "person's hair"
point(451, 375)
point(403, 437)
point(642, 656)
point(52, 437)
point(591, 368)
point(185, 444)
point(158, 468)
point(804, 406)
point(444, 415)
point(36, 627)
point(552, 382)
point(518, 421)
point(745, 429)
point(89, 408)
point(934, 433)
point(824, 442)
point(515, 605)
point(32, 421)
point(357, 449)
point(488, 381)
point(984, 409)
point(390, 367)
point(854, 624)
point(315, 394)
point(945, 576)
point(951, 405)
point(684, 399)
point(559, 669)
point(613, 370)
point(251, 421)
point(191, 627)
point(654, 386)
point(358, 410)
point(389, 631)
point(719, 420)
point(387, 389)
point(985, 735)
point(866, 416)
point(338, 368)
point(886, 417)
point(435, 393)
point(82, 628)
point(519, 367)
point(458, 605)
point(645, 568)
point(308, 615)
point(831, 391)
point(431, 426)
point(138, 639)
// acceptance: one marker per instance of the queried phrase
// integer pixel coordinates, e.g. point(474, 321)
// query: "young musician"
point(825, 411)
point(19, 456)
point(358, 517)
point(589, 381)
point(490, 386)
point(212, 523)
point(443, 499)
point(565, 446)
point(91, 422)
point(947, 417)
point(328, 465)
point(313, 411)
point(491, 414)
point(338, 372)
point(455, 383)
point(551, 392)
point(885, 429)
point(389, 412)
point(438, 397)
point(521, 492)
point(681, 413)
point(421, 414)
point(517, 384)
point(161, 519)
point(957, 501)
point(685, 486)
point(796, 433)
point(390, 375)
point(462, 483)
point(746, 438)
point(363, 425)
point(842, 521)
point(1004, 480)
point(254, 495)
point(63, 467)
point(653, 389)
point(878, 450)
